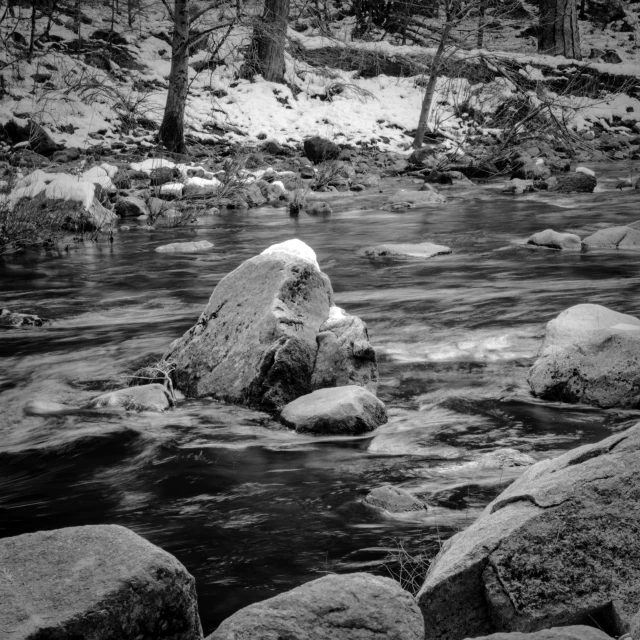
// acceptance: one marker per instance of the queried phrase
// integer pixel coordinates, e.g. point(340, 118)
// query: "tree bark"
point(427, 102)
point(269, 38)
point(481, 22)
point(558, 33)
point(171, 133)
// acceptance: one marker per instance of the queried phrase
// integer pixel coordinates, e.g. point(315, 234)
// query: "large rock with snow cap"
point(68, 198)
point(345, 355)
point(590, 355)
point(558, 547)
point(356, 606)
point(339, 410)
point(99, 582)
point(255, 342)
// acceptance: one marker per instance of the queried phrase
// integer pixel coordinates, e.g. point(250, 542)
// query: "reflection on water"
point(250, 508)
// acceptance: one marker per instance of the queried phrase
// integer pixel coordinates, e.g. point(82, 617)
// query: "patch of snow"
point(172, 189)
point(586, 171)
point(294, 247)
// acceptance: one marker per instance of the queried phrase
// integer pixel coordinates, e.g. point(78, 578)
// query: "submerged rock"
point(558, 547)
point(406, 199)
point(393, 500)
point(345, 355)
point(356, 606)
point(404, 251)
point(185, 247)
point(591, 355)
point(100, 582)
point(518, 186)
point(147, 397)
point(318, 209)
point(555, 240)
point(337, 410)
point(14, 319)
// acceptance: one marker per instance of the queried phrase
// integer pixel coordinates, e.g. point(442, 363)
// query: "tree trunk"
point(269, 37)
point(172, 128)
point(431, 87)
point(33, 31)
point(481, 21)
point(559, 34)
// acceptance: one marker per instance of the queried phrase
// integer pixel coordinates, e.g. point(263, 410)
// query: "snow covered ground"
point(84, 105)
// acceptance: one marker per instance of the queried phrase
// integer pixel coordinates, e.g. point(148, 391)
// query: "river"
point(252, 509)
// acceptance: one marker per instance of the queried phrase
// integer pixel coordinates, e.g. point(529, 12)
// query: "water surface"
point(250, 508)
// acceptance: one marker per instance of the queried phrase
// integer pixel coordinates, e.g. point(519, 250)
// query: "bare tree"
point(559, 34)
point(171, 133)
point(269, 38)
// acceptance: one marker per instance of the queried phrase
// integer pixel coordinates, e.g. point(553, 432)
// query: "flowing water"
point(253, 509)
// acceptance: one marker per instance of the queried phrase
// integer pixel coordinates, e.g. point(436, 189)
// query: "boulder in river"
point(185, 247)
point(531, 171)
point(575, 632)
point(518, 186)
point(559, 547)
point(336, 410)
point(623, 237)
point(101, 582)
point(407, 199)
point(404, 251)
point(345, 355)
point(255, 342)
point(146, 397)
point(590, 355)
point(575, 183)
point(356, 606)
point(393, 500)
point(555, 240)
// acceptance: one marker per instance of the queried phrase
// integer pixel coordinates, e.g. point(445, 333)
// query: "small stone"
point(148, 397)
point(338, 410)
point(185, 247)
point(400, 251)
point(393, 500)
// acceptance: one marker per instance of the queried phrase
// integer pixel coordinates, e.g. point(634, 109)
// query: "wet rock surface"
point(148, 397)
point(556, 240)
point(575, 632)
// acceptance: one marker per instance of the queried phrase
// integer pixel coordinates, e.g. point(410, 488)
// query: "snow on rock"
point(150, 164)
point(185, 247)
point(586, 171)
point(99, 175)
point(295, 247)
point(172, 189)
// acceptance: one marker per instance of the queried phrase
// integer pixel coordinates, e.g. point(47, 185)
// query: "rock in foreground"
point(100, 582)
point(355, 606)
point(405, 251)
point(554, 240)
point(576, 632)
point(590, 355)
point(558, 547)
point(337, 410)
